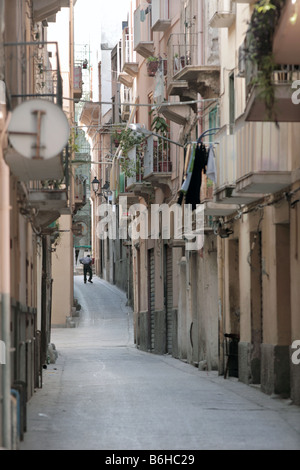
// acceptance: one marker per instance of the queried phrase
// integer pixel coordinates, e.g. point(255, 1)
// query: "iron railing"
point(127, 54)
point(152, 157)
point(32, 70)
point(281, 75)
point(182, 51)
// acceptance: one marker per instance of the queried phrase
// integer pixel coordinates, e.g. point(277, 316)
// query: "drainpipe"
point(5, 291)
point(5, 312)
point(201, 54)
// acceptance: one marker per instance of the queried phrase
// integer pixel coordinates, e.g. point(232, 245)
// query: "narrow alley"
point(105, 394)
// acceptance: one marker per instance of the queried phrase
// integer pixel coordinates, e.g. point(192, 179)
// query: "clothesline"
point(205, 143)
point(208, 132)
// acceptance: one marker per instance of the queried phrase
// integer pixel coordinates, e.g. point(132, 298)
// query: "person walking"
point(87, 268)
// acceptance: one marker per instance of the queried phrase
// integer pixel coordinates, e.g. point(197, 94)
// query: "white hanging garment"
point(211, 167)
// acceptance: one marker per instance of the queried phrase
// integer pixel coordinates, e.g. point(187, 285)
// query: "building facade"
point(187, 71)
point(36, 191)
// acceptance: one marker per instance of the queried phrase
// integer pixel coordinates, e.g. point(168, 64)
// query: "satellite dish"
point(38, 129)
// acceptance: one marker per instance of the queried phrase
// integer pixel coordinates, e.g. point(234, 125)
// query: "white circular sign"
point(38, 128)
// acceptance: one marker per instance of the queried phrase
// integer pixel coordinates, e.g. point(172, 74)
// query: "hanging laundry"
point(143, 16)
point(159, 92)
point(199, 165)
point(190, 166)
point(187, 172)
point(211, 167)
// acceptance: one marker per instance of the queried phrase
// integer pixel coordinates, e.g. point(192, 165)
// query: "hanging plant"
point(152, 65)
point(260, 36)
point(159, 124)
point(127, 140)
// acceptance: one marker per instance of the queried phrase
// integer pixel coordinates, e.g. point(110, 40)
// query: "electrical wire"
point(148, 105)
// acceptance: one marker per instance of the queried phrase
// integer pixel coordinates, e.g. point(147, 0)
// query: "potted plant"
point(116, 137)
point(152, 65)
point(159, 124)
point(176, 62)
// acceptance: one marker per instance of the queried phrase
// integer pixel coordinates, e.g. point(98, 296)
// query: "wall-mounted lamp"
point(95, 185)
point(105, 191)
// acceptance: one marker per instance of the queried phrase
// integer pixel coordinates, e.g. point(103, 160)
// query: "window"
point(213, 121)
point(231, 103)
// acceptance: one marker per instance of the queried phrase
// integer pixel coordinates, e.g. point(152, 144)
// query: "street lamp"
point(95, 185)
point(105, 191)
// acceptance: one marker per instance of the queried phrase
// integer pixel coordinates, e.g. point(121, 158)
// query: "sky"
point(86, 15)
point(96, 22)
point(91, 14)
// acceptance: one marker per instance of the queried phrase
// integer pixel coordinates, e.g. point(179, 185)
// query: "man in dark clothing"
point(87, 268)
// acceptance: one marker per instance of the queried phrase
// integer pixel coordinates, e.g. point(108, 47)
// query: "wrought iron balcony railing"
point(32, 70)
point(282, 80)
point(182, 51)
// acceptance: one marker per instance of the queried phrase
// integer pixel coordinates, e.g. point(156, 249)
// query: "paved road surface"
point(104, 394)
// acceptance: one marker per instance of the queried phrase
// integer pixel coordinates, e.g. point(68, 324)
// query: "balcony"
point(43, 9)
point(160, 161)
point(129, 64)
point(181, 114)
point(90, 117)
point(32, 70)
point(77, 92)
point(157, 161)
point(134, 183)
point(267, 156)
point(287, 36)
point(79, 193)
point(29, 169)
point(226, 163)
point(49, 202)
point(284, 109)
point(124, 192)
point(184, 71)
point(212, 208)
point(126, 98)
point(161, 20)
point(125, 79)
point(223, 14)
point(143, 42)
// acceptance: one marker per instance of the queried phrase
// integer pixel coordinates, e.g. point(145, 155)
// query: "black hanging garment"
point(187, 154)
point(193, 194)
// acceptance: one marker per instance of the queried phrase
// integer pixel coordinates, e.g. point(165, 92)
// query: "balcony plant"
point(259, 48)
point(127, 140)
point(116, 138)
point(161, 128)
point(152, 65)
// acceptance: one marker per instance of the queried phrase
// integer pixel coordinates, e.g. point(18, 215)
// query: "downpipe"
point(5, 290)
